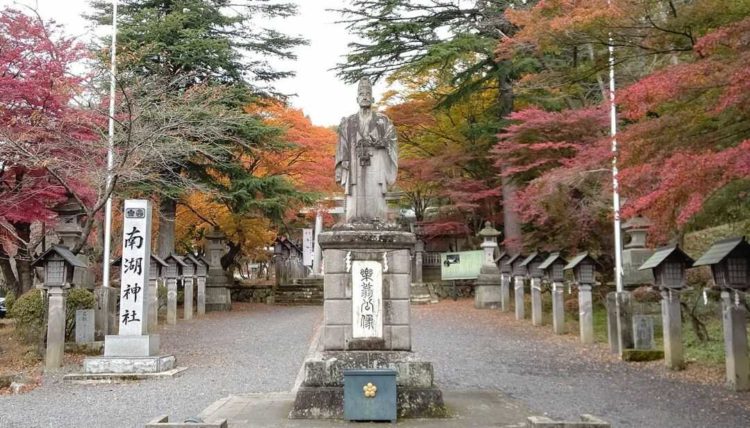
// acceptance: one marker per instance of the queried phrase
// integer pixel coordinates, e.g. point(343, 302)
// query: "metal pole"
point(110, 150)
point(615, 181)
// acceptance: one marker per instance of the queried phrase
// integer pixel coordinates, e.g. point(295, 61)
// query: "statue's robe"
point(365, 186)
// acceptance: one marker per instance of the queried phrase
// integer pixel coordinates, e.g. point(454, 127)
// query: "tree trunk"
point(23, 258)
point(511, 224)
point(11, 282)
point(167, 213)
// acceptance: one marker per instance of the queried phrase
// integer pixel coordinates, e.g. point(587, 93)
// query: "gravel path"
point(488, 349)
point(259, 348)
point(254, 348)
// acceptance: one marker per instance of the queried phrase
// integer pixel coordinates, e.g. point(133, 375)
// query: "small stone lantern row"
point(175, 269)
point(59, 266)
point(668, 265)
point(584, 270)
point(730, 263)
point(730, 266)
point(552, 269)
point(518, 272)
point(531, 264)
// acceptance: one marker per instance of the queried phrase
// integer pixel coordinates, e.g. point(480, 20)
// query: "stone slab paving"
point(469, 409)
point(255, 348)
point(487, 349)
point(260, 349)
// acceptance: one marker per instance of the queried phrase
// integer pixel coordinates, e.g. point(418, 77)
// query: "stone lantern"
point(584, 268)
point(668, 265)
point(218, 297)
point(730, 266)
point(175, 266)
point(532, 263)
point(487, 292)
point(505, 270)
point(59, 267)
point(69, 231)
point(635, 252)
point(518, 272)
point(552, 267)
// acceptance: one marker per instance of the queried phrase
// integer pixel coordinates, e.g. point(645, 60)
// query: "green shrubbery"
point(28, 311)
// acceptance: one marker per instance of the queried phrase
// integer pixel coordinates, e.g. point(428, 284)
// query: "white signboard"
point(308, 250)
point(136, 251)
point(367, 299)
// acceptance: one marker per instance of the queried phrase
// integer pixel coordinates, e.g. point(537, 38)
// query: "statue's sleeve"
point(392, 146)
point(342, 156)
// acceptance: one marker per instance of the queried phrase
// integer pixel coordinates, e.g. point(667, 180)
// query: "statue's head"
point(364, 93)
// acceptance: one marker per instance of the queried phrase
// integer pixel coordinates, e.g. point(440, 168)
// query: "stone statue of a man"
point(366, 159)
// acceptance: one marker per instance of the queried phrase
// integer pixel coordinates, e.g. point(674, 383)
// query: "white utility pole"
point(110, 150)
point(615, 180)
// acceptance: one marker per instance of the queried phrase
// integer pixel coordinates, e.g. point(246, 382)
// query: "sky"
point(319, 93)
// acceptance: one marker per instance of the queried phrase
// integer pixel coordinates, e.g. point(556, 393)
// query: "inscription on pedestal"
point(367, 299)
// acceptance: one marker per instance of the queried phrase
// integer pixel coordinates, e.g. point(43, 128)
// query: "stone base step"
point(299, 295)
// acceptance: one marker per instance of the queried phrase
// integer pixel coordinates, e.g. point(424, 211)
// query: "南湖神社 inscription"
point(136, 250)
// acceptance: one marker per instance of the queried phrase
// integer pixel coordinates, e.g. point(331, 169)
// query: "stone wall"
point(252, 294)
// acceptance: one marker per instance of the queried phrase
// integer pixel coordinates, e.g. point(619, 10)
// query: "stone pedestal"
point(55, 328)
point(536, 302)
point(385, 342)
point(171, 301)
point(586, 314)
point(201, 297)
point(321, 394)
point(558, 308)
point(187, 304)
point(624, 321)
point(420, 294)
point(505, 292)
point(672, 327)
point(392, 250)
point(152, 293)
point(519, 297)
point(735, 342)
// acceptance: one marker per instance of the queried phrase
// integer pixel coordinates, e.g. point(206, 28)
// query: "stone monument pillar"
point(586, 314)
point(734, 318)
point(558, 308)
point(201, 281)
point(536, 302)
point(55, 327)
point(218, 296)
point(487, 290)
point(505, 292)
point(367, 280)
point(133, 350)
point(519, 297)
